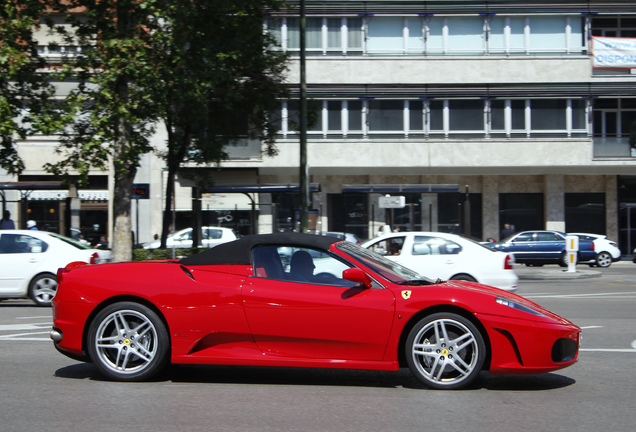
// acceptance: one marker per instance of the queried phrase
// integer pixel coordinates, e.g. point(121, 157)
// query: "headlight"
point(518, 306)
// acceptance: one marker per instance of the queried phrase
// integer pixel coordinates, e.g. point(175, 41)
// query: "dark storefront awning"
point(261, 188)
point(400, 188)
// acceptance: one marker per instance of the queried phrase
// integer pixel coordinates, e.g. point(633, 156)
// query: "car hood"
point(479, 298)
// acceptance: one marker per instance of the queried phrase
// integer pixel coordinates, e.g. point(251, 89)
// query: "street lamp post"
point(304, 170)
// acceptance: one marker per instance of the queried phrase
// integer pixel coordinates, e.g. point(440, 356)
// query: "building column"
point(554, 199)
point(490, 207)
point(611, 207)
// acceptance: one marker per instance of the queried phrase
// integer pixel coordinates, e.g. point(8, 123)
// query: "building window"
point(434, 35)
point(452, 118)
point(524, 211)
point(585, 212)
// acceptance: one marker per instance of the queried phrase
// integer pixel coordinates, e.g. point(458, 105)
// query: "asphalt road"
point(41, 390)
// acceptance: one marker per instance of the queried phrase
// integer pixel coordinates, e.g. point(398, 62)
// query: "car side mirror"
point(358, 276)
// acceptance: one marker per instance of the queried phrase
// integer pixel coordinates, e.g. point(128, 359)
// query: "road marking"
point(14, 327)
point(616, 350)
point(591, 327)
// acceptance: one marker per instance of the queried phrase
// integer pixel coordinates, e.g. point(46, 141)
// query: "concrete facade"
point(557, 166)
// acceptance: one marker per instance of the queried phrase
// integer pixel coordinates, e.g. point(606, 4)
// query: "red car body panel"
point(223, 314)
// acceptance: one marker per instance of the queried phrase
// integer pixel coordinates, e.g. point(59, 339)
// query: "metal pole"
point(304, 171)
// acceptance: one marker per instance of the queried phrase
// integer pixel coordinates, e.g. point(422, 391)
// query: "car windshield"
point(69, 241)
point(388, 269)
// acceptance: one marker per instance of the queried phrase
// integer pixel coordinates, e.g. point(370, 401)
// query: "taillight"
point(94, 258)
point(509, 263)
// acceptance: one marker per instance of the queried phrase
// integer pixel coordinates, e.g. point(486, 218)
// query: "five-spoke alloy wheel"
point(445, 351)
point(128, 342)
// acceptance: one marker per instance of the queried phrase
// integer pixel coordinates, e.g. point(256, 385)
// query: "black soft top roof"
point(240, 251)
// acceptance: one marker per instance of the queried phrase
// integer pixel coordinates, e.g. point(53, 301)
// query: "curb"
point(555, 274)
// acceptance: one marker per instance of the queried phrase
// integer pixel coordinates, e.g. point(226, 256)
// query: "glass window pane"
point(334, 113)
point(293, 33)
point(466, 115)
point(578, 114)
point(548, 114)
point(577, 40)
point(518, 112)
point(496, 41)
point(314, 33)
point(274, 29)
point(517, 38)
point(354, 110)
point(386, 35)
point(497, 115)
point(334, 33)
point(354, 33)
point(416, 119)
point(415, 41)
point(293, 115)
point(436, 115)
point(547, 33)
point(386, 115)
point(466, 34)
point(435, 41)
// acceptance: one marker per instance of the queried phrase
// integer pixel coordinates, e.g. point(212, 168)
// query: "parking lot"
point(43, 390)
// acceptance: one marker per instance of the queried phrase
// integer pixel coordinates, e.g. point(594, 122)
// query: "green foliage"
point(23, 91)
point(164, 254)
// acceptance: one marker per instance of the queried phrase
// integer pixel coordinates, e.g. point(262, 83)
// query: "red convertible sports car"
point(300, 300)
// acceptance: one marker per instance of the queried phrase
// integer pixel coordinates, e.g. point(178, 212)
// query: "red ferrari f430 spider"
point(300, 300)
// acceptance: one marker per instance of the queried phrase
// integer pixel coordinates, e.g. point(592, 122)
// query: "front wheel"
point(128, 342)
point(445, 351)
point(42, 289)
point(603, 259)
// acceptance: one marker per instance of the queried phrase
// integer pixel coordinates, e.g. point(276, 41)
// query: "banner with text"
point(613, 52)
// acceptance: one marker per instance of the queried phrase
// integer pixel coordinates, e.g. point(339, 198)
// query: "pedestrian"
point(32, 225)
point(506, 232)
point(102, 244)
point(6, 222)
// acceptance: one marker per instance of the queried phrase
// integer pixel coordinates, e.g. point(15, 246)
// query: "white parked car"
point(210, 237)
point(29, 261)
point(448, 257)
point(607, 250)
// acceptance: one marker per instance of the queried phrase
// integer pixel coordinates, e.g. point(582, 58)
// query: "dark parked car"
point(543, 247)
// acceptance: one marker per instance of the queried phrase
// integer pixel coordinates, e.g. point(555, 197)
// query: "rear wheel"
point(43, 288)
point(445, 351)
point(603, 259)
point(464, 277)
point(128, 342)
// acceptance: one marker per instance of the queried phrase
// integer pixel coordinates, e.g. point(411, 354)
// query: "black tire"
point(463, 277)
point(603, 259)
point(128, 341)
point(43, 288)
point(445, 351)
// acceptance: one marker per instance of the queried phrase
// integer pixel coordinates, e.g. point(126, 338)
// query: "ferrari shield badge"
point(406, 294)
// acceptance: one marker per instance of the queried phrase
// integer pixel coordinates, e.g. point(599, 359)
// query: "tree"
point(112, 109)
point(219, 80)
point(24, 91)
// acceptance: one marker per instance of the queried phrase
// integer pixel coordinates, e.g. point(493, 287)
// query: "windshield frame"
point(378, 264)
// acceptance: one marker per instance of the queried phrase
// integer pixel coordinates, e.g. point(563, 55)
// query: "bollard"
point(572, 249)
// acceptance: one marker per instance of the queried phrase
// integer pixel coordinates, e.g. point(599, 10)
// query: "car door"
point(549, 246)
point(325, 317)
point(20, 257)
point(522, 246)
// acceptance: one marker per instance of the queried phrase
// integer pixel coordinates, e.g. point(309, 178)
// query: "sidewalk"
point(555, 272)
